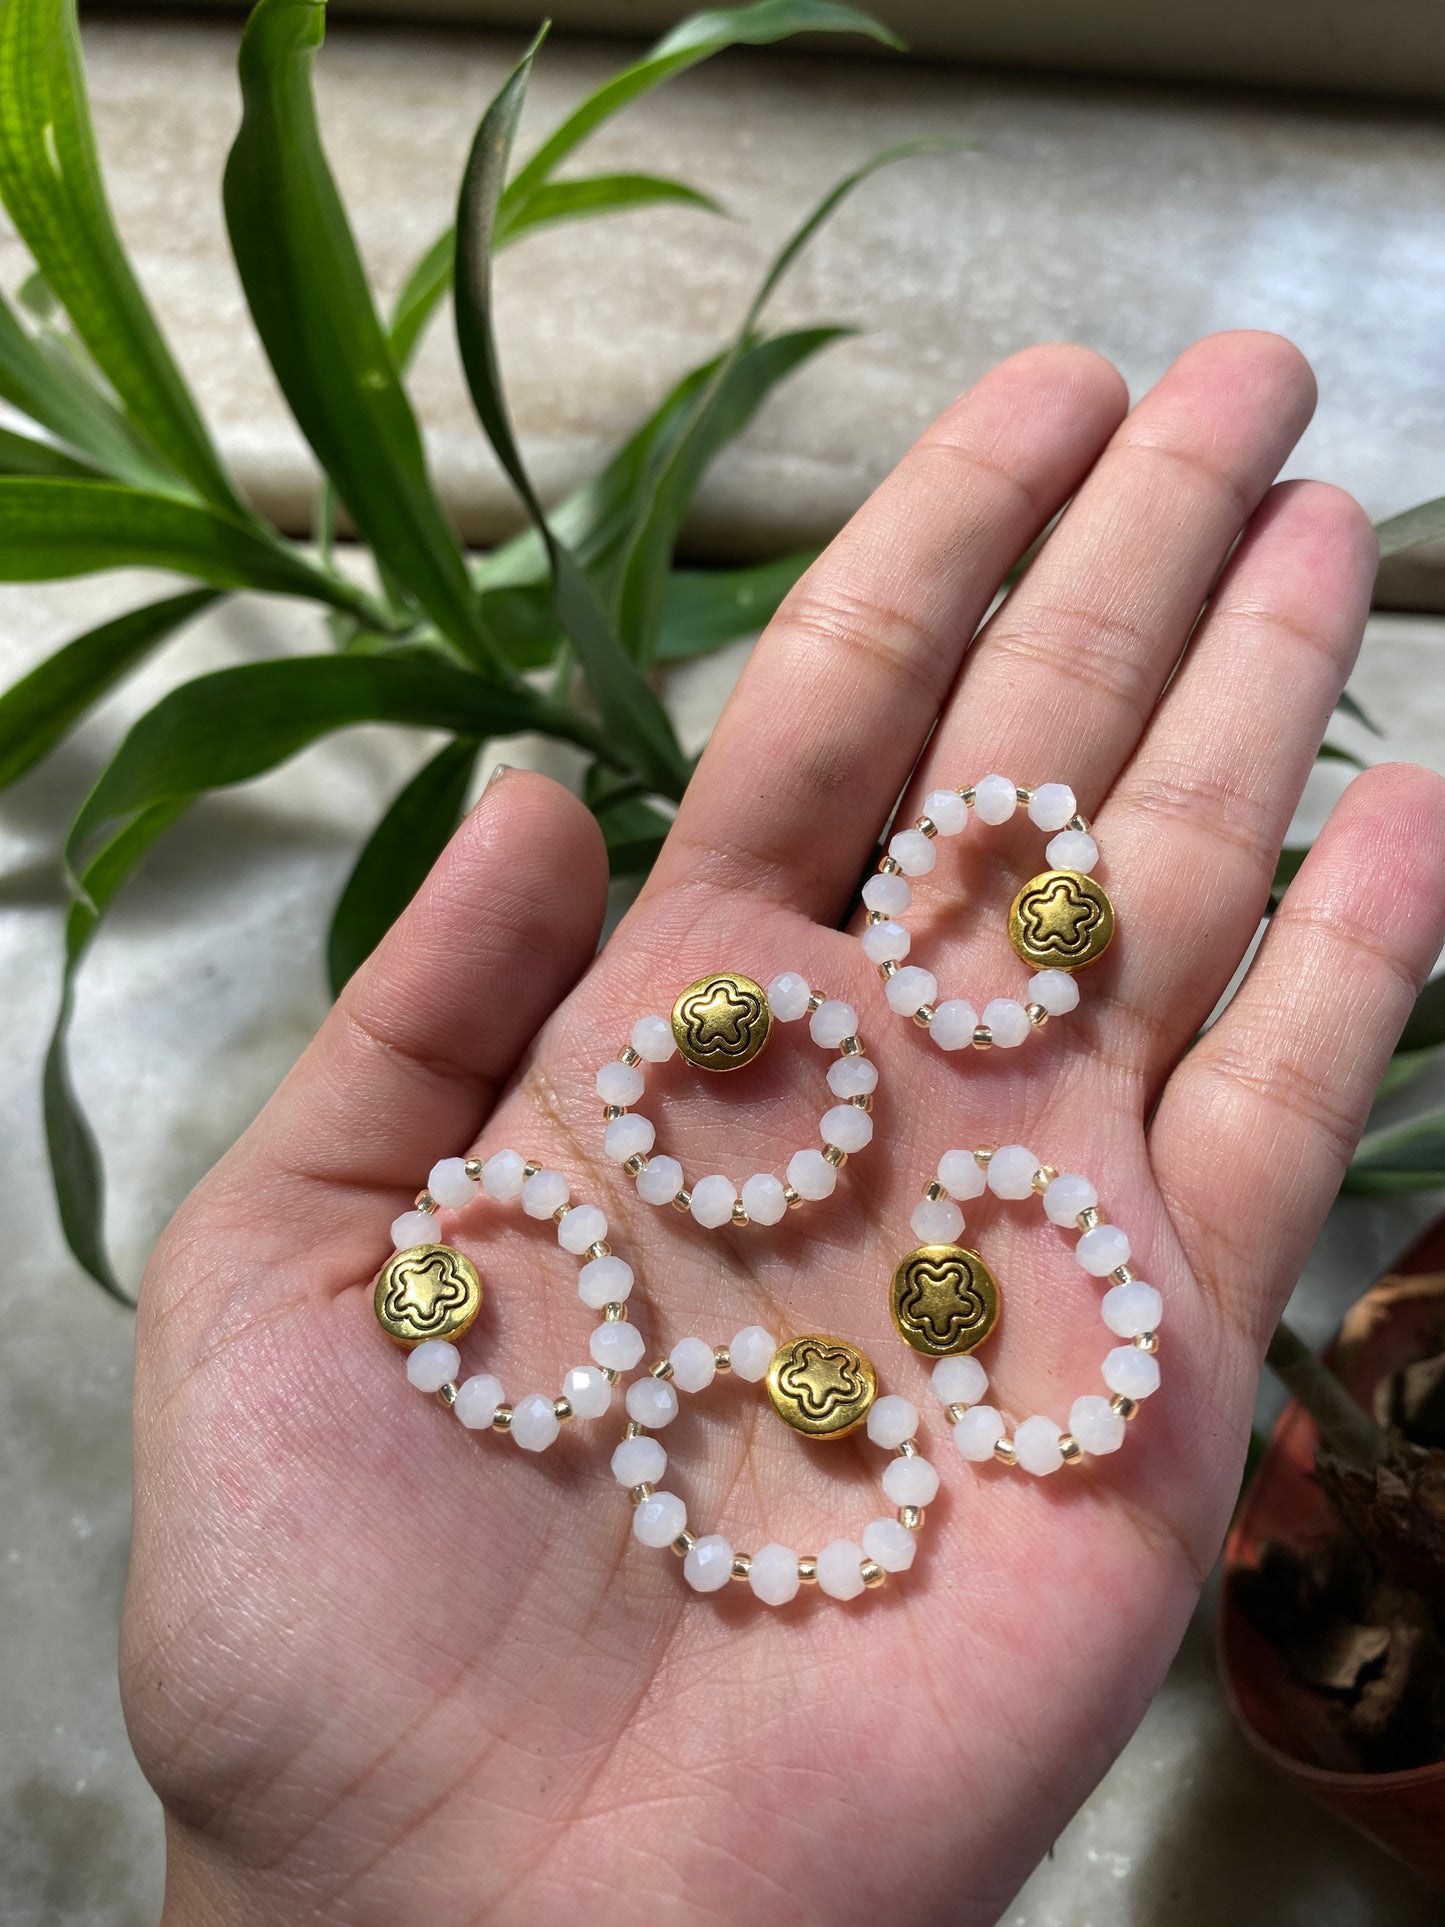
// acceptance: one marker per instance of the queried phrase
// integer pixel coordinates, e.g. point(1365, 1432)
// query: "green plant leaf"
point(1332, 753)
point(1402, 1070)
point(632, 715)
point(312, 306)
point(1349, 706)
point(1412, 527)
point(51, 184)
point(704, 608)
point(421, 295)
point(55, 528)
point(1287, 868)
point(1426, 1023)
point(1402, 1157)
point(42, 707)
point(398, 854)
point(598, 194)
point(23, 455)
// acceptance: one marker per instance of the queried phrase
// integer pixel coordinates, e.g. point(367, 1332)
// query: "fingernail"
point(498, 771)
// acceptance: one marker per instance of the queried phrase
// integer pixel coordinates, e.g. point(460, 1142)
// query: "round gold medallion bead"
point(722, 1022)
point(1061, 920)
point(943, 1300)
point(823, 1387)
point(429, 1291)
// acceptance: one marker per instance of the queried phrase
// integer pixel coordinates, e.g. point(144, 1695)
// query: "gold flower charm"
point(822, 1387)
point(722, 1022)
point(1061, 920)
point(944, 1300)
point(429, 1291)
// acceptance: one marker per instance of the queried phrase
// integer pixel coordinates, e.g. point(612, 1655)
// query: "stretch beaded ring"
point(428, 1294)
point(1060, 920)
point(1131, 1310)
point(844, 1568)
point(763, 1198)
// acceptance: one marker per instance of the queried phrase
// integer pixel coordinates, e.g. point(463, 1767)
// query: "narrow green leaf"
point(312, 306)
point(398, 854)
point(51, 184)
point(421, 295)
point(1332, 753)
point(1412, 527)
point(23, 455)
point(704, 608)
point(1349, 705)
point(1287, 868)
point(598, 194)
point(1426, 1023)
point(43, 706)
point(631, 712)
point(1402, 1070)
point(1403, 1157)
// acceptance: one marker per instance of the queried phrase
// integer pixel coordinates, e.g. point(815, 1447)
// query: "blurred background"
point(1136, 176)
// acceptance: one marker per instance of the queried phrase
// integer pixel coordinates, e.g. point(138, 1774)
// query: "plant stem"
point(1346, 1429)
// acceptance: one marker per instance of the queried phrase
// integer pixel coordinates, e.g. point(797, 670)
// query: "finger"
point(1194, 826)
point(842, 690)
point(1256, 1127)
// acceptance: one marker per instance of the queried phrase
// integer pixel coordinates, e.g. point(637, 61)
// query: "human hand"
point(381, 1669)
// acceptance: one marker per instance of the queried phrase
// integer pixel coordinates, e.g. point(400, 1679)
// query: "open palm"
point(383, 1669)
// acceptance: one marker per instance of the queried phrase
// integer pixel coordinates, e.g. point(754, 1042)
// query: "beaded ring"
point(721, 1023)
point(945, 1303)
point(1060, 920)
point(822, 1387)
point(427, 1295)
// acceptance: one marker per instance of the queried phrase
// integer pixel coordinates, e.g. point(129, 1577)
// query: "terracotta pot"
point(1397, 1321)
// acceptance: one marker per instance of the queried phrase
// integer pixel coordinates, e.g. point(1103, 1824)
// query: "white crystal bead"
point(1131, 1309)
point(886, 943)
point(811, 1175)
point(1051, 806)
point(639, 1461)
point(587, 1391)
point(764, 1198)
point(1102, 1250)
point(477, 1401)
point(502, 1175)
point(913, 852)
point(947, 809)
point(910, 988)
point(659, 1519)
point(978, 1432)
point(892, 1545)
point(619, 1083)
point(1008, 1022)
point(1072, 850)
point(845, 1126)
point(414, 1228)
point(954, 1022)
point(751, 1352)
point(831, 1022)
point(1095, 1424)
point(1036, 1446)
point(713, 1199)
point(1067, 1196)
point(651, 1402)
point(693, 1364)
point(432, 1364)
point(604, 1281)
point(1127, 1371)
point(773, 1574)
point(534, 1423)
point(936, 1221)
point(709, 1565)
point(910, 1481)
point(543, 1193)
point(629, 1137)
point(891, 1420)
point(840, 1569)
point(959, 1381)
point(888, 893)
point(659, 1180)
point(653, 1040)
point(1055, 990)
point(788, 997)
point(1011, 1171)
point(853, 1077)
point(449, 1184)
point(994, 799)
point(583, 1225)
point(617, 1346)
point(962, 1176)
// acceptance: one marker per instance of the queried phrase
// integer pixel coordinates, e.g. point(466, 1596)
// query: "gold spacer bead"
point(890, 867)
point(599, 1250)
point(662, 1369)
point(983, 1156)
point(910, 1517)
point(634, 1430)
point(923, 1016)
point(638, 1493)
point(877, 916)
point(926, 826)
point(934, 1192)
point(722, 1358)
point(1048, 1172)
point(1088, 1218)
point(1078, 821)
point(683, 1544)
point(613, 1111)
point(1072, 1450)
point(1038, 1183)
point(969, 795)
point(808, 1570)
point(562, 1409)
point(629, 1056)
point(634, 1164)
point(1122, 1275)
point(1004, 1452)
point(982, 1037)
point(610, 1373)
point(1023, 795)
point(560, 1213)
point(1125, 1407)
point(832, 1155)
point(683, 1200)
point(872, 1573)
point(447, 1394)
point(530, 1168)
point(614, 1314)
point(816, 1000)
point(426, 1202)
point(742, 1565)
point(851, 1047)
point(908, 1449)
point(473, 1168)
point(791, 1197)
point(1037, 1015)
point(1147, 1342)
point(740, 1212)
point(863, 1101)
point(887, 970)
point(502, 1419)
point(953, 1413)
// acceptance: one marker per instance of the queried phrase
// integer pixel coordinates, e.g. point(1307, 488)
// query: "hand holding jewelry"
point(1060, 920)
point(823, 1388)
point(721, 1023)
point(428, 1294)
point(945, 1302)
